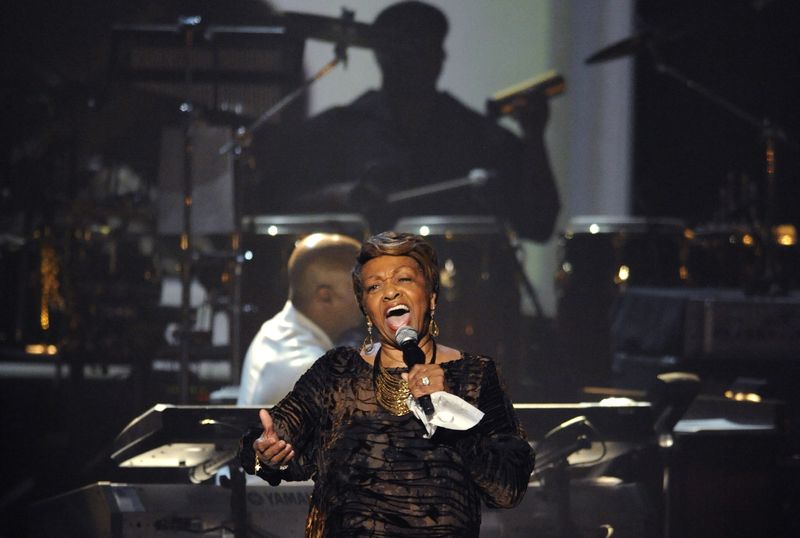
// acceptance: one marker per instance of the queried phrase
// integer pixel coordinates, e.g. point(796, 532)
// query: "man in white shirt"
point(321, 306)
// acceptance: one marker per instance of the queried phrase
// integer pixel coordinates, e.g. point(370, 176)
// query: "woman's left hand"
point(271, 450)
point(425, 379)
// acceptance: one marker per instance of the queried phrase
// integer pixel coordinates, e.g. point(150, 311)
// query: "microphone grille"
point(404, 334)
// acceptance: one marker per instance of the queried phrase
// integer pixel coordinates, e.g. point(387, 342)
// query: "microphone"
point(507, 100)
point(407, 338)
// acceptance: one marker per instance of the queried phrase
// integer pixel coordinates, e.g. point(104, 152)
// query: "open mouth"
point(398, 316)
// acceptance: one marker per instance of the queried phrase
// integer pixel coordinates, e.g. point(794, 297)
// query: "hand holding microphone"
point(423, 379)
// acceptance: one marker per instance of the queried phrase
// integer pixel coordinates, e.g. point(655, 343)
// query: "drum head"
point(479, 301)
point(602, 252)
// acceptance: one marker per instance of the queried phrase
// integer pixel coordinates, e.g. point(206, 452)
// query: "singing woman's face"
point(395, 295)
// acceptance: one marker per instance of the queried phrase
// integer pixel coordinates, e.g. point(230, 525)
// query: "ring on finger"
point(425, 381)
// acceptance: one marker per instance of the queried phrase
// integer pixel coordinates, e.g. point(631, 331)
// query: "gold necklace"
point(391, 392)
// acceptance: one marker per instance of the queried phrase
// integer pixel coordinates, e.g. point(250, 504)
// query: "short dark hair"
point(414, 23)
point(398, 244)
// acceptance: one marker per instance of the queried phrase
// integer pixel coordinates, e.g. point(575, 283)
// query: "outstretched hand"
point(271, 450)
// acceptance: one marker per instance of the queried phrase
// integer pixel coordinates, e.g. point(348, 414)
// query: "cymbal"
point(626, 47)
point(341, 30)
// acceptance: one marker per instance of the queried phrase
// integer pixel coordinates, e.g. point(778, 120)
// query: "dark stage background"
point(692, 160)
point(689, 148)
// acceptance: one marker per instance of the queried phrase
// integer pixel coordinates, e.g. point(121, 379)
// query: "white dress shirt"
point(280, 353)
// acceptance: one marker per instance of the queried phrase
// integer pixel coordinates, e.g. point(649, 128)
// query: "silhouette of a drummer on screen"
point(408, 135)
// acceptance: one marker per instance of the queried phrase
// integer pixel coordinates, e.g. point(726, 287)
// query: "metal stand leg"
point(239, 501)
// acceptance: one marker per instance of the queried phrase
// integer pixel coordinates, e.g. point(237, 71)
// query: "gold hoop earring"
point(433, 327)
point(368, 344)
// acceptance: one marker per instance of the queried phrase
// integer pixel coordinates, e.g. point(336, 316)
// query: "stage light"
point(740, 396)
point(785, 235)
point(41, 349)
point(623, 273)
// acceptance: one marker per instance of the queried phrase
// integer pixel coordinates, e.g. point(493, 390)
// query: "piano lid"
point(190, 435)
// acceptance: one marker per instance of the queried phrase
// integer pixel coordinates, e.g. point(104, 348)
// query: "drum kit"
point(600, 253)
point(742, 246)
point(105, 249)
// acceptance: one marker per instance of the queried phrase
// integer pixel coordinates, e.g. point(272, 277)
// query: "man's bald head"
point(313, 262)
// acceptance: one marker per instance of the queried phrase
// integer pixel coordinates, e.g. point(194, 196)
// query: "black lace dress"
point(375, 474)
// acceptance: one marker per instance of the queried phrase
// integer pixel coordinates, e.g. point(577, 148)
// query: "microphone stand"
point(513, 247)
point(552, 467)
point(241, 142)
point(189, 24)
point(237, 146)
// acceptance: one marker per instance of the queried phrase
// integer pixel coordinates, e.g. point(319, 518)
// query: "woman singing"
point(354, 424)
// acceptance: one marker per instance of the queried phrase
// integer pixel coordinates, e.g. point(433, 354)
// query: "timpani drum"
point(600, 252)
point(267, 243)
point(722, 255)
point(479, 301)
point(598, 257)
point(737, 256)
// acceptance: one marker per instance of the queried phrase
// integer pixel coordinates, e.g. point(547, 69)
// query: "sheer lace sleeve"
point(496, 451)
point(297, 419)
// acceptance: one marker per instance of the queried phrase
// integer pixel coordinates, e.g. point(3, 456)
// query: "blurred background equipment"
point(108, 308)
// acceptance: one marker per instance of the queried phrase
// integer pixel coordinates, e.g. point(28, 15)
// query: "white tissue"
point(449, 411)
